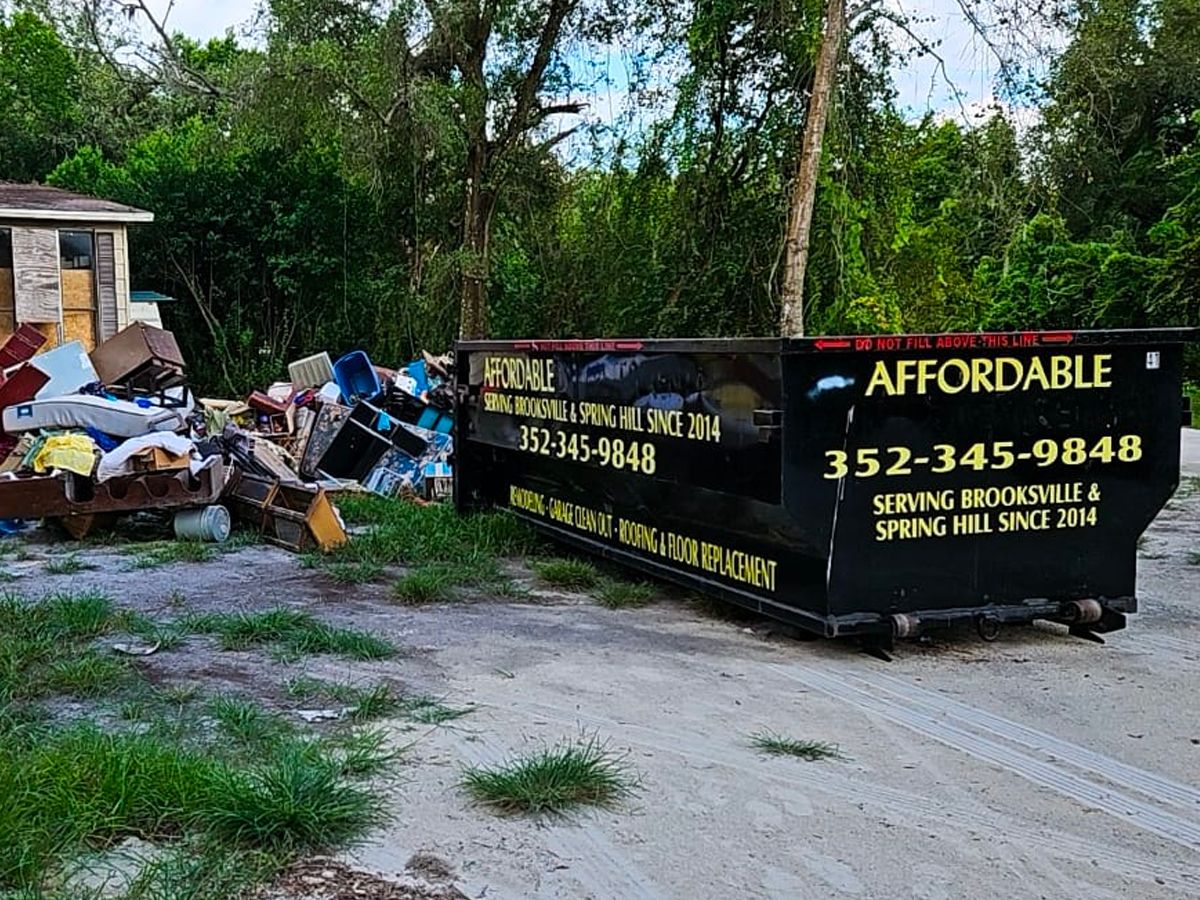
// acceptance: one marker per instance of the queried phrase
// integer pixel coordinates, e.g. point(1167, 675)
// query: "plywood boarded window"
point(8, 310)
point(35, 275)
point(79, 307)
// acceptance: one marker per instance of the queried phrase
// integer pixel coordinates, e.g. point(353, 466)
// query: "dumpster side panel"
point(665, 459)
point(963, 477)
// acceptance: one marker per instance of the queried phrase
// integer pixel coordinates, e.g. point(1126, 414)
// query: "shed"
point(64, 263)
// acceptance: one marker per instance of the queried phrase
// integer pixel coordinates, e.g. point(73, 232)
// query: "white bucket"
point(212, 524)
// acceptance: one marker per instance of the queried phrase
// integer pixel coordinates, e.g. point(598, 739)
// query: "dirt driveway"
point(1036, 766)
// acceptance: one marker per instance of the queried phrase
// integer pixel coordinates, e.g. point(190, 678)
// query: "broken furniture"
point(81, 503)
point(140, 360)
point(68, 368)
point(20, 346)
point(298, 517)
point(365, 436)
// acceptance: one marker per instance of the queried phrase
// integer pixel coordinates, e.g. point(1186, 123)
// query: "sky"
point(922, 83)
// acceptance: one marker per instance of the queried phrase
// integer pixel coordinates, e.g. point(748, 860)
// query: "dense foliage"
point(309, 186)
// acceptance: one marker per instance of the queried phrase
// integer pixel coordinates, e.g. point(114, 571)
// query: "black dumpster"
point(875, 485)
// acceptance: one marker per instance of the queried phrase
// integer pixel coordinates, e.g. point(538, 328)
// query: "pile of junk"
point(89, 437)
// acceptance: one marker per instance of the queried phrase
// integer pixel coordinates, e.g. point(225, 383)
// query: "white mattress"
point(119, 418)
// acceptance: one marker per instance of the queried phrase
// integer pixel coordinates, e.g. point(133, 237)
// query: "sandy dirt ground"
point(1036, 766)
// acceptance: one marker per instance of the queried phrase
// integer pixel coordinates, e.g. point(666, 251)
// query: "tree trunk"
point(477, 228)
point(804, 191)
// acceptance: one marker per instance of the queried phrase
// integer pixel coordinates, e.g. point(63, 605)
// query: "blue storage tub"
point(356, 378)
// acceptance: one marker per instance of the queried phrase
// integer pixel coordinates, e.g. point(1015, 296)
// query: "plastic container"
point(211, 524)
point(355, 376)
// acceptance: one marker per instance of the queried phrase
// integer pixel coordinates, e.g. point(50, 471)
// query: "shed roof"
point(37, 201)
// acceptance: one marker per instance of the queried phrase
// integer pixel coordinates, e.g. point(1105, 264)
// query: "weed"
point(361, 753)
point(311, 560)
point(7, 577)
point(67, 565)
point(354, 573)
point(554, 779)
point(87, 675)
point(295, 634)
point(246, 723)
point(162, 553)
point(82, 786)
point(427, 584)
point(166, 636)
point(1194, 558)
point(781, 745)
point(409, 534)
point(429, 711)
point(180, 694)
point(374, 704)
point(297, 800)
point(623, 594)
point(567, 573)
point(44, 646)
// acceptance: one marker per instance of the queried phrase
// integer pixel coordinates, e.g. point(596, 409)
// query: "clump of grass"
point(247, 724)
point(582, 772)
point(1194, 558)
point(86, 675)
point(300, 799)
point(354, 573)
point(162, 553)
point(67, 565)
point(295, 634)
point(81, 786)
point(429, 711)
point(426, 584)
point(567, 573)
point(375, 703)
point(45, 646)
point(617, 594)
point(361, 753)
point(780, 745)
point(408, 534)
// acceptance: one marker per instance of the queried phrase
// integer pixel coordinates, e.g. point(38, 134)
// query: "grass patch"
point(354, 573)
point(624, 594)
point(247, 724)
point(408, 534)
point(163, 553)
point(67, 565)
point(375, 703)
point(429, 711)
point(1194, 558)
point(583, 772)
point(82, 787)
point(780, 745)
point(232, 791)
point(426, 584)
point(45, 647)
point(567, 573)
point(89, 674)
point(293, 633)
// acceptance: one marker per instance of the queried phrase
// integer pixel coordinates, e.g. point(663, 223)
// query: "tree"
point(805, 190)
point(39, 84)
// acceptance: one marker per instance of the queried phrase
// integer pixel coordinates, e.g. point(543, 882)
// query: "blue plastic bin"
point(356, 378)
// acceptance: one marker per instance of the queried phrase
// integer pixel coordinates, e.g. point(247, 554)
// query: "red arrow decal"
point(831, 345)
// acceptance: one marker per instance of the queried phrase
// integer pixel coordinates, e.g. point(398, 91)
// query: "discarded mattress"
point(120, 418)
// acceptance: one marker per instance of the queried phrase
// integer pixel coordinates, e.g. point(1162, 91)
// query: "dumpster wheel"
point(988, 628)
